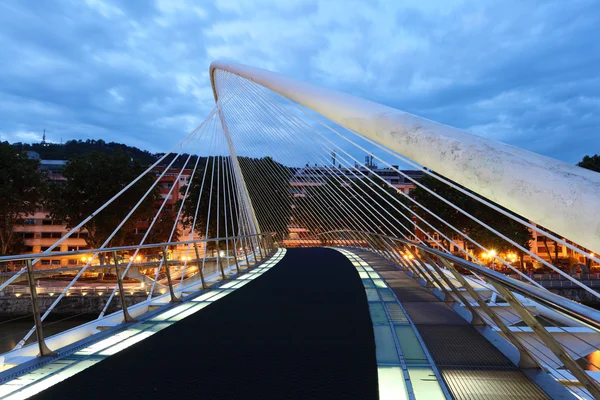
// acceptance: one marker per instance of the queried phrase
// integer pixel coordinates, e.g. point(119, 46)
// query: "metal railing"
point(232, 252)
point(448, 274)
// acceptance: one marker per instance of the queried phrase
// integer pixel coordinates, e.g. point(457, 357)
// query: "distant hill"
point(51, 151)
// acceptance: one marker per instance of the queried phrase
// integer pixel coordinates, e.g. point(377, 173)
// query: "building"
point(311, 176)
point(39, 232)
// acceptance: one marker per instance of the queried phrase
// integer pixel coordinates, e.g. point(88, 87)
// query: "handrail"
point(583, 314)
point(18, 257)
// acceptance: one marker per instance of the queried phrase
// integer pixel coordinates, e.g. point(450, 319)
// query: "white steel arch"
point(559, 196)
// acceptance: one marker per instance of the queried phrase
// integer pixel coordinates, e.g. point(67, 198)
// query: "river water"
point(13, 330)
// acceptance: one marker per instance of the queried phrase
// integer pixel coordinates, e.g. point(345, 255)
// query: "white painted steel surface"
point(559, 196)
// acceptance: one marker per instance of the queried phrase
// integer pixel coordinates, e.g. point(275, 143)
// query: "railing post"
point(245, 253)
point(447, 296)
point(260, 247)
point(174, 298)
point(424, 272)
point(39, 331)
point(526, 360)
point(126, 316)
point(219, 264)
point(588, 382)
point(237, 265)
point(199, 266)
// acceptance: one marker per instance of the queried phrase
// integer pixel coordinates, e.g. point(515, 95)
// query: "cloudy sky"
point(136, 72)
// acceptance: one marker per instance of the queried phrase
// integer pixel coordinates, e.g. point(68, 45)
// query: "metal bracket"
point(174, 299)
point(526, 360)
point(39, 330)
point(126, 316)
point(588, 382)
point(199, 267)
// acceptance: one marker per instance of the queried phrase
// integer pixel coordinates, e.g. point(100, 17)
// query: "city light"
point(84, 259)
point(490, 254)
point(138, 258)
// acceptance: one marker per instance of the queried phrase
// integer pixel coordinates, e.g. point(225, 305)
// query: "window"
point(72, 248)
point(54, 235)
point(28, 249)
point(46, 222)
point(29, 221)
point(45, 262)
point(47, 247)
point(28, 235)
point(72, 261)
point(83, 235)
point(55, 262)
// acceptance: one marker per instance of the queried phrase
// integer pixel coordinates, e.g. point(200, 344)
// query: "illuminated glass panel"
point(386, 295)
point(379, 283)
point(385, 346)
point(391, 383)
point(425, 384)
point(412, 352)
point(377, 312)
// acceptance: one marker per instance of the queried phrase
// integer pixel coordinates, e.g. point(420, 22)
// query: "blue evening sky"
point(522, 72)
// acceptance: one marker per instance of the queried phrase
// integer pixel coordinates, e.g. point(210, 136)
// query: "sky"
point(522, 72)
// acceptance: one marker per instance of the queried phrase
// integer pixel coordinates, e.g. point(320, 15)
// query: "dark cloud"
point(137, 72)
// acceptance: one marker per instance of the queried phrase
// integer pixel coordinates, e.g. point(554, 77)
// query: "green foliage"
point(590, 162)
point(270, 193)
point(160, 232)
point(73, 148)
point(216, 174)
point(503, 224)
point(92, 180)
point(21, 188)
point(441, 209)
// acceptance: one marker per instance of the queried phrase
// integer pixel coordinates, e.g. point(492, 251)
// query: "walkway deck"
point(317, 323)
point(301, 330)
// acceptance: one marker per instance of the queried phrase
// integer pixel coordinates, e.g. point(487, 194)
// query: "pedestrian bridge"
point(364, 298)
point(305, 323)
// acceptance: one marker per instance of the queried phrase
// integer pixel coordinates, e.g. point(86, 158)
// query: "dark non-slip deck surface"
point(301, 330)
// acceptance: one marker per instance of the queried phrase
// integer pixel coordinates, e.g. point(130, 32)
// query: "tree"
point(270, 194)
point(440, 208)
point(21, 189)
point(267, 194)
point(515, 231)
point(590, 162)
point(91, 181)
point(160, 233)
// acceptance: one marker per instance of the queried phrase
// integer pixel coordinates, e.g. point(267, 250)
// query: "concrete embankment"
point(92, 303)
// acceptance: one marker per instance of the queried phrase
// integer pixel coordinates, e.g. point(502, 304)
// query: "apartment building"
point(40, 232)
